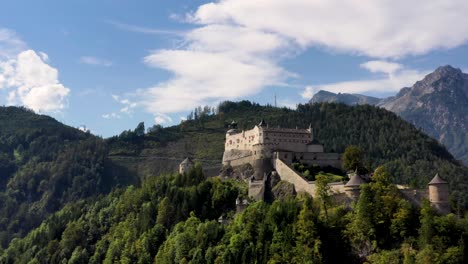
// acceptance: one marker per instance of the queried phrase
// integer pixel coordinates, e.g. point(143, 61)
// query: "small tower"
point(185, 165)
point(263, 123)
point(352, 187)
point(439, 194)
point(232, 128)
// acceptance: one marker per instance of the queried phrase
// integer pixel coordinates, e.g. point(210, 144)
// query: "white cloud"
point(161, 118)
point(95, 61)
point(139, 29)
point(236, 46)
point(374, 28)
point(218, 62)
point(381, 66)
point(391, 83)
point(111, 116)
point(35, 83)
point(127, 107)
point(10, 44)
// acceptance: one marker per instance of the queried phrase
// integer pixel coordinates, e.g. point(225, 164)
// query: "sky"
point(110, 64)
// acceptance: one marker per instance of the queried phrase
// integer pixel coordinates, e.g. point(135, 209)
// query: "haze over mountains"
point(438, 105)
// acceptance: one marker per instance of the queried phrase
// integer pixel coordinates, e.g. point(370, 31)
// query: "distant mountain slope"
point(438, 105)
point(345, 98)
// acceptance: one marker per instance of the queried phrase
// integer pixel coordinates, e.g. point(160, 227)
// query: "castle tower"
point(185, 165)
point(352, 187)
point(439, 194)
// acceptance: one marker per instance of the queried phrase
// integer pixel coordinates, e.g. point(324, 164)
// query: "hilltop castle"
point(262, 144)
point(271, 151)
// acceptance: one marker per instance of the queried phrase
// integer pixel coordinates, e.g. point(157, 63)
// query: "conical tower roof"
point(187, 161)
point(437, 180)
point(262, 123)
point(355, 180)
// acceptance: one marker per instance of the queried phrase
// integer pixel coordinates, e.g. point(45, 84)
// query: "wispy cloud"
point(140, 29)
point(127, 108)
point(396, 77)
point(95, 61)
point(10, 44)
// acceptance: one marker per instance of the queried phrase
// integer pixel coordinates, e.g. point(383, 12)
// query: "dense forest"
point(173, 219)
point(66, 195)
point(43, 166)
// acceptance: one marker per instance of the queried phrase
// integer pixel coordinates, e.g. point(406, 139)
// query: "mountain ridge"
point(437, 104)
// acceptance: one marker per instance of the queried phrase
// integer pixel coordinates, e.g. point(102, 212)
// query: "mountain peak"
point(447, 69)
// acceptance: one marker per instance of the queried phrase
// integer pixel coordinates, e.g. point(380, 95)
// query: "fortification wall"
point(257, 188)
point(240, 161)
point(286, 173)
point(414, 196)
point(337, 187)
point(321, 159)
point(235, 154)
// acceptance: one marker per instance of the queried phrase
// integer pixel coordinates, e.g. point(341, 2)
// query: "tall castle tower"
point(439, 194)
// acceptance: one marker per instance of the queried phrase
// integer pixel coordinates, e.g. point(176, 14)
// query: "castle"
point(262, 144)
point(272, 151)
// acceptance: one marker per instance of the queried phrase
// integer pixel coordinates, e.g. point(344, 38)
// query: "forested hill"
point(44, 165)
point(410, 155)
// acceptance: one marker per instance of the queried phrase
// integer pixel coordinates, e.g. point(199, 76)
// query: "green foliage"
point(130, 225)
point(353, 158)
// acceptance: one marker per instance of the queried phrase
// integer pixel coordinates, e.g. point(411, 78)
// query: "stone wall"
point(235, 154)
point(257, 189)
point(286, 173)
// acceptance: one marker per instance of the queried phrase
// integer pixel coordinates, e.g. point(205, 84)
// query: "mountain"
point(345, 98)
point(438, 105)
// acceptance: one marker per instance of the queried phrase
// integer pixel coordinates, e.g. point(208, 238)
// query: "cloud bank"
point(27, 77)
point(236, 47)
point(33, 83)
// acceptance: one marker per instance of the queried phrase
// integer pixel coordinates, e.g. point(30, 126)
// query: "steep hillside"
point(175, 219)
point(44, 165)
point(411, 156)
point(438, 105)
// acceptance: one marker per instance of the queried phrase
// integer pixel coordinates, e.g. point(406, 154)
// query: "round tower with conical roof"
point(185, 165)
point(439, 194)
point(353, 186)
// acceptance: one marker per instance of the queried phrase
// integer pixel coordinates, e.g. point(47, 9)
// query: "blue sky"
point(110, 64)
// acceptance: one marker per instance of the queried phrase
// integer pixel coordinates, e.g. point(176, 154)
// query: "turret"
point(232, 128)
point(352, 187)
point(185, 165)
point(439, 194)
